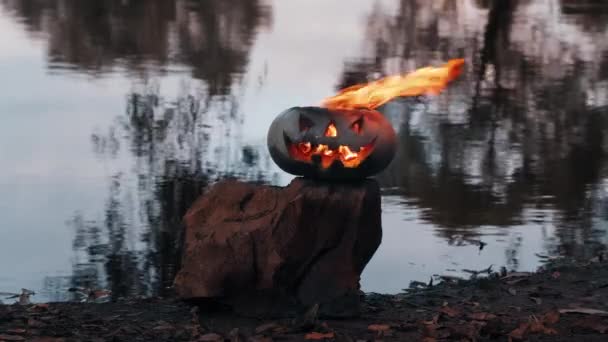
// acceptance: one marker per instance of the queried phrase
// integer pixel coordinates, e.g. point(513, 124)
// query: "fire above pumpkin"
point(428, 80)
point(349, 139)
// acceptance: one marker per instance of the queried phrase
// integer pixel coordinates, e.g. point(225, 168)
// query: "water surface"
point(115, 114)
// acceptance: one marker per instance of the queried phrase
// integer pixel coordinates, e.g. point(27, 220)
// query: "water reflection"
point(212, 38)
point(520, 139)
point(524, 131)
point(178, 148)
point(177, 145)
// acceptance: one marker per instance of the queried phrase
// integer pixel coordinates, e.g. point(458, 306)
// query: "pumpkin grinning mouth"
point(325, 156)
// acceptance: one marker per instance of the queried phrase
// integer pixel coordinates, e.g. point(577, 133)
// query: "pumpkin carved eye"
point(331, 130)
point(357, 125)
point(305, 123)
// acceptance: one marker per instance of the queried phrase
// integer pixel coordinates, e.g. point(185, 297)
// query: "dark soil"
point(516, 306)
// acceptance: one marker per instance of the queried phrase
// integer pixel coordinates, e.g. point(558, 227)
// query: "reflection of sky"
point(47, 166)
point(410, 250)
point(304, 55)
point(49, 171)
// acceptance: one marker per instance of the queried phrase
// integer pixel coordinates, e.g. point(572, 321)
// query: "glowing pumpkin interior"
point(348, 156)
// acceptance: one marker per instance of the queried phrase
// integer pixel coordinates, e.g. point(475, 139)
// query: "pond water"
point(116, 113)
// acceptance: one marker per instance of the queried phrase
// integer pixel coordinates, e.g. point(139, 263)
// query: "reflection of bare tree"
point(215, 40)
point(212, 37)
point(495, 44)
point(178, 147)
point(103, 248)
point(524, 128)
point(591, 15)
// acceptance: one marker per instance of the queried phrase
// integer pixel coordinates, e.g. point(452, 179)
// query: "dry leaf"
point(16, 331)
point(482, 316)
point(378, 327)
point(319, 336)
point(270, 328)
point(551, 317)
point(451, 312)
point(550, 331)
point(32, 323)
point(464, 331)
point(473, 304)
point(584, 311)
point(40, 307)
point(592, 323)
point(519, 333)
point(429, 329)
point(536, 300)
point(537, 327)
point(210, 338)
point(11, 338)
point(48, 339)
point(163, 326)
point(259, 338)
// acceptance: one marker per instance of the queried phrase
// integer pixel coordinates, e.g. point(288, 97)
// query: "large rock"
point(266, 249)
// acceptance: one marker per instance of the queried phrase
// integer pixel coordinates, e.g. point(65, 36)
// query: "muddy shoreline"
point(561, 302)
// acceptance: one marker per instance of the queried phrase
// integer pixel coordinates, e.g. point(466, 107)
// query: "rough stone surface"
point(266, 249)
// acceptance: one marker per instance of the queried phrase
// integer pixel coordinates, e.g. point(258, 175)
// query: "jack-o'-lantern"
point(331, 144)
point(348, 138)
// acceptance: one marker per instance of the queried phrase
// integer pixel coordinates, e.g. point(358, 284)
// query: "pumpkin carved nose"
point(331, 130)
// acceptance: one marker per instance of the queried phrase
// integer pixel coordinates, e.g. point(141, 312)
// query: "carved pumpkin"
point(331, 144)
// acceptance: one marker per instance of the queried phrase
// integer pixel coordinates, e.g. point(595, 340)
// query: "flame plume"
point(424, 81)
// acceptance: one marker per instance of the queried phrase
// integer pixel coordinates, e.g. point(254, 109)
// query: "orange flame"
point(428, 80)
point(331, 131)
point(304, 151)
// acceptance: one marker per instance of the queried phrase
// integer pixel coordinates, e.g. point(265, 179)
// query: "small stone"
point(53, 339)
point(211, 337)
point(163, 326)
point(259, 338)
point(270, 328)
point(16, 331)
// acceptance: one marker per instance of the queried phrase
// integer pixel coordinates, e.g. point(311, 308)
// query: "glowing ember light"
point(305, 151)
point(346, 153)
point(331, 131)
point(428, 80)
point(305, 147)
point(321, 148)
